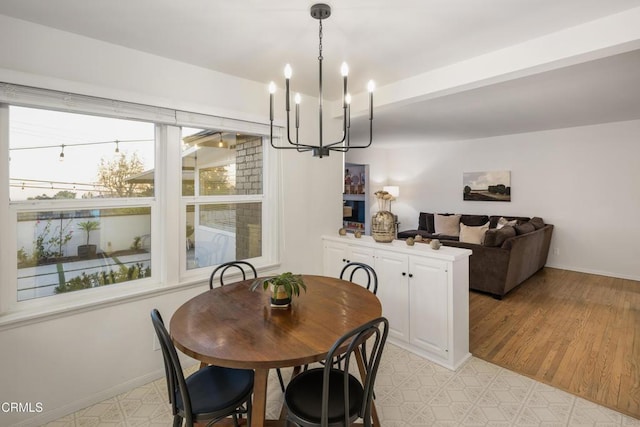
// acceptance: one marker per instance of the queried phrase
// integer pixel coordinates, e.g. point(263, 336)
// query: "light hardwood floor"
point(575, 331)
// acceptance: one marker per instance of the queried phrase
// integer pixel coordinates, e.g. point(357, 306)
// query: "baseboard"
point(596, 272)
point(53, 414)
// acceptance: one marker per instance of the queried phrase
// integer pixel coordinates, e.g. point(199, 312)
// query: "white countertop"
point(444, 253)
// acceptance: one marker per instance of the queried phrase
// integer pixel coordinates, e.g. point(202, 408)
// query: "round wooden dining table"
point(234, 327)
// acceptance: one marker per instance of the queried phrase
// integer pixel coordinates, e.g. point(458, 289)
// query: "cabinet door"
point(429, 305)
point(337, 255)
point(393, 291)
point(358, 254)
point(334, 258)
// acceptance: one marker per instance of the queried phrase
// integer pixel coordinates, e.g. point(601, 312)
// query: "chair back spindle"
point(240, 265)
point(372, 277)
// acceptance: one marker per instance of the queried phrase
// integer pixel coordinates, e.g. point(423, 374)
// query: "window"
point(222, 189)
point(96, 190)
point(72, 180)
point(62, 156)
point(55, 256)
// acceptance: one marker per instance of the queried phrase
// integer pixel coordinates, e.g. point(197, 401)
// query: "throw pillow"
point(495, 237)
point(525, 228)
point(449, 225)
point(425, 222)
point(537, 222)
point(503, 221)
point(475, 235)
point(474, 220)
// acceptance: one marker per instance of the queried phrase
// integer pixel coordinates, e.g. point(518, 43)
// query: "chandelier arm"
point(295, 147)
point(346, 117)
point(349, 146)
point(295, 144)
point(346, 122)
point(359, 146)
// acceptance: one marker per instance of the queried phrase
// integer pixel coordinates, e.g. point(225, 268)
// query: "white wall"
point(584, 180)
point(68, 362)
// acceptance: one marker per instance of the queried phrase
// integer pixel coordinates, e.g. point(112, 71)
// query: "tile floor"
point(410, 391)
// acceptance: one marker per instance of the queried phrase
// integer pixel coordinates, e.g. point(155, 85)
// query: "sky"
point(482, 180)
point(44, 128)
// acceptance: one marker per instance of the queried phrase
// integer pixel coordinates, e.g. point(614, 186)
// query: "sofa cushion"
point(525, 228)
point(474, 220)
point(447, 224)
point(425, 222)
point(497, 236)
point(504, 221)
point(537, 222)
point(475, 234)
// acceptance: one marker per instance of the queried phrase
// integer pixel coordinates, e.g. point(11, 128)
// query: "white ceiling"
point(382, 40)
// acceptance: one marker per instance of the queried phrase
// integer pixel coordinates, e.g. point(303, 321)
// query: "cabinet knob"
point(410, 275)
point(404, 274)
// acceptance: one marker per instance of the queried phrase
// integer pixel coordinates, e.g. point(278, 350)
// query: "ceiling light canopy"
point(320, 12)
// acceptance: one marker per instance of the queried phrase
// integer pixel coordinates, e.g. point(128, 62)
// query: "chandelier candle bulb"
point(272, 90)
point(370, 87)
point(344, 70)
point(287, 77)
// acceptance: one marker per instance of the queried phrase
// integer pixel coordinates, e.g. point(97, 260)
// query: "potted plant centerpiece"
point(88, 251)
point(283, 288)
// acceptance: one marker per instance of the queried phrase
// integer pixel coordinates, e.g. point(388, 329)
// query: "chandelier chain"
point(320, 39)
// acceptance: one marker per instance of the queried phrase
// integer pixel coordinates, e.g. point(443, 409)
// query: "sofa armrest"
point(528, 255)
point(488, 267)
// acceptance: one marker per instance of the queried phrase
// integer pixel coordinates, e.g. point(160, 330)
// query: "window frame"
point(269, 227)
point(168, 206)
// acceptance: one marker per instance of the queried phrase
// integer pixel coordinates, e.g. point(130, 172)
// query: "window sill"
point(27, 316)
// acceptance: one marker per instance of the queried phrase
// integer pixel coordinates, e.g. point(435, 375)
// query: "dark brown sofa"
point(507, 257)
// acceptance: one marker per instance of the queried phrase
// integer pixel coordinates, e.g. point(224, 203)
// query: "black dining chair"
point(329, 396)
point(245, 268)
point(372, 281)
point(239, 265)
point(372, 277)
point(372, 285)
point(209, 394)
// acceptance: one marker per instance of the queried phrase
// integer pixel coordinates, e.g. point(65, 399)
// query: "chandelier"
point(320, 12)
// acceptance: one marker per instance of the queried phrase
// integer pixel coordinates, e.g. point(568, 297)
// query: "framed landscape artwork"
point(487, 186)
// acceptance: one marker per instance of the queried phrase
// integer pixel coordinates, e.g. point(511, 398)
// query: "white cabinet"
point(414, 295)
point(338, 254)
point(424, 293)
point(429, 305)
point(393, 291)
